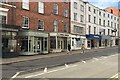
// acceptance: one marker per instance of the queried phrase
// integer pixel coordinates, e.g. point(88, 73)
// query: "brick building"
point(44, 26)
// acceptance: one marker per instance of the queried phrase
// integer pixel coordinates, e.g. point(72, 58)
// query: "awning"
point(92, 36)
point(105, 37)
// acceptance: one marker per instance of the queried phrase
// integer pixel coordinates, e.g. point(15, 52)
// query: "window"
point(3, 19)
point(65, 12)
point(55, 9)
point(75, 5)
point(94, 30)
point(78, 29)
point(108, 15)
point(99, 21)
point(89, 30)
point(111, 17)
point(103, 22)
point(65, 1)
point(114, 18)
point(108, 23)
point(25, 22)
point(75, 16)
point(40, 25)
point(89, 9)
point(111, 24)
point(40, 7)
point(104, 32)
point(82, 8)
point(94, 11)
point(100, 13)
point(65, 27)
point(94, 20)
point(89, 18)
point(115, 25)
point(55, 26)
point(52, 42)
point(81, 18)
point(108, 31)
point(25, 4)
point(104, 15)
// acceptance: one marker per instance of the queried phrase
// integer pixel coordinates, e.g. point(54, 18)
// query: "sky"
point(104, 3)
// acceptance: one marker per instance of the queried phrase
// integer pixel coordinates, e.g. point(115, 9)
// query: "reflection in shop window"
point(24, 46)
point(52, 42)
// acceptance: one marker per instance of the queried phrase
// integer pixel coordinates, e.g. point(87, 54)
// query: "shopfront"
point(10, 44)
point(93, 41)
point(33, 42)
point(59, 42)
point(77, 41)
point(105, 41)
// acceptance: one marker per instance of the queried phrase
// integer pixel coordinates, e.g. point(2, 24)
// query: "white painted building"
point(77, 24)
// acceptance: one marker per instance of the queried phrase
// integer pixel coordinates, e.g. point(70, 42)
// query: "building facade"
point(77, 24)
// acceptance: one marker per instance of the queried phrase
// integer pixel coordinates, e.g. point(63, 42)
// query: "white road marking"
point(49, 72)
point(95, 59)
point(45, 69)
point(105, 57)
point(84, 61)
point(66, 65)
point(15, 75)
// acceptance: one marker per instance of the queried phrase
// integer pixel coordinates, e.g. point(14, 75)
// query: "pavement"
point(36, 57)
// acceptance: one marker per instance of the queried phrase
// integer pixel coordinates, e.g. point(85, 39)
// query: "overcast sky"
point(104, 3)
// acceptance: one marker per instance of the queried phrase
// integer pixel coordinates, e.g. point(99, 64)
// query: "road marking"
point(105, 57)
point(49, 72)
point(15, 75)
point(84, 61)
point(66, 65)
point(45, 69)
point(114, 77)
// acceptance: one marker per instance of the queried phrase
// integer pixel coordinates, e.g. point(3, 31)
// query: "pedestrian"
point(69, 48)
point(83, 48)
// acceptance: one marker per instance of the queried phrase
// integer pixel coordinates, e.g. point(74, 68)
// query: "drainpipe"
point(12, 13)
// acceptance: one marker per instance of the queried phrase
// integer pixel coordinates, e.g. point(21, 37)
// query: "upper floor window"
point(82, 8)
point(108, 23)
point(104, 14)
point(40, 25)
point(99, 21)
point(40, 7)
point(89, 18)
point(108, 15)
point(65, 27)
point(114, 18)
point(81, 18)
point(104, 22)
point(75, 5)
point(111, 24)
point(3, 19)
point(94, 11)
point(94, 20)
point(89, 8)
point(94, 30)
point(75, 16)
point(65, 12)
point(25, 4)
point(55, 9)
point(111, 17)
point(25, 22)
point(55, 25)
point(89, 29)
point(100, 13)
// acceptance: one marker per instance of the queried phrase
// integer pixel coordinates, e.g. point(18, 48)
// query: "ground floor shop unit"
point(92, 41)
point(77, 41)
point(10, 40)
point(33, 42)
point(105, 41)
point(59, 42)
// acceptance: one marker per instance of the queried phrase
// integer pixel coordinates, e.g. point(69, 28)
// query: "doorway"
point(37, 45)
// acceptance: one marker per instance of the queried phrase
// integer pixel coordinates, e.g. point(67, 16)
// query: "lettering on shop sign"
point(96, 36)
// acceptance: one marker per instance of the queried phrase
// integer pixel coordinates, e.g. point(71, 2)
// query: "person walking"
point(69, 48)
point(83, 48)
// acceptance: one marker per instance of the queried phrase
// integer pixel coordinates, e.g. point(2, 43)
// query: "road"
point(10, 70)
point(102, 67)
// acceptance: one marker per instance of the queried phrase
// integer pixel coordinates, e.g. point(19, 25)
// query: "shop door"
point(37, 47)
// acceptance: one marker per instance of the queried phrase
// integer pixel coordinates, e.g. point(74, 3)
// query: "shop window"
point(45, 44)
point(25, 44)
point(88, 43)
point(53, 42)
